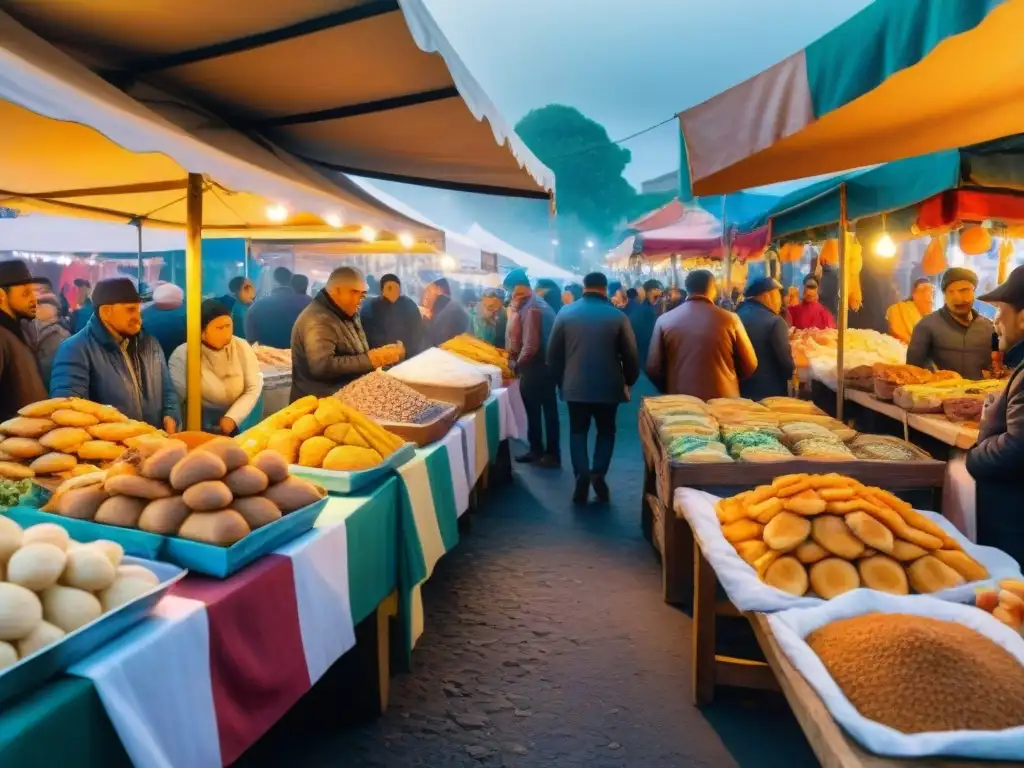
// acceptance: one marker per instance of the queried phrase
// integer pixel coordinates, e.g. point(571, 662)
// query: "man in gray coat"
point(329, 347)
point(593, 357)
point(956, 338)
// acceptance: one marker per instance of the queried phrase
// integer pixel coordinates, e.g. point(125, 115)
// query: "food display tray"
point(424, 434)
point(208, 559)
point(341, 482)
point(466, 399)
point(32, 671)
point(221, 562)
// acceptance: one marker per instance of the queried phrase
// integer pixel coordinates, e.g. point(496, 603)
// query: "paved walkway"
point(548, 644)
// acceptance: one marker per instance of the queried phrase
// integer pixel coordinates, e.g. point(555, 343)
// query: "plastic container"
point(207, 559)
point(34, 670)
point(341, 482)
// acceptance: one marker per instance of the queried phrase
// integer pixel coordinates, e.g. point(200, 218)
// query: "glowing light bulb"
point(555, 241)
point(406, 240)
point(369, 234)
point(590, 243)
point(334, 220)
point(277, 213)
point(885, 246)
point(448, 263)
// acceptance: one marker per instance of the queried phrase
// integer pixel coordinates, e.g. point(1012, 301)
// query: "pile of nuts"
point(385, 398)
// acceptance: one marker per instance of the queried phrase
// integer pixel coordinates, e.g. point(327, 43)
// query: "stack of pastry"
point(828, 534)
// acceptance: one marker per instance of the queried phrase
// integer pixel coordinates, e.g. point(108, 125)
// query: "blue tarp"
point(895, 187)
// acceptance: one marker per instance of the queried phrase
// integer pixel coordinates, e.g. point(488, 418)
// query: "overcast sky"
point(628, 63)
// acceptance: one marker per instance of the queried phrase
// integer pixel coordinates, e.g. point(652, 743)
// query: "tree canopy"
point(588, 169)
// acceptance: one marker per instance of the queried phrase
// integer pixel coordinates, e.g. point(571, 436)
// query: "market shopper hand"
point(170, 425)
point(227, 426)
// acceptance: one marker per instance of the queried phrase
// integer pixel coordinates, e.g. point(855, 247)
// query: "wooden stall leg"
point(702, 656)
point(386, 612)
point(678, 552)
point(650, 488)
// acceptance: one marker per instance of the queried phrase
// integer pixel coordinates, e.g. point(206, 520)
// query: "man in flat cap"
point(768, 332)
point(956, 337)
point(996, 460)
point(113, 361)
point(20, 380)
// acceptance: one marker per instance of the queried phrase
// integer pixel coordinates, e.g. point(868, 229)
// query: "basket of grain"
point(912, 676)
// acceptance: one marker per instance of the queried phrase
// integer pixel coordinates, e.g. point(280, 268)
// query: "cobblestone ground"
point(548, 644)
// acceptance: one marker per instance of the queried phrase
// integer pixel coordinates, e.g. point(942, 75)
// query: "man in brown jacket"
point(699, 349)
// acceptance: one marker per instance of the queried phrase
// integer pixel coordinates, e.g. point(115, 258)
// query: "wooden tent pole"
point(843, 306)
point(193, 300)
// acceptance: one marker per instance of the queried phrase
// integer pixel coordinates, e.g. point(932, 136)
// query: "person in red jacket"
point(810, 313)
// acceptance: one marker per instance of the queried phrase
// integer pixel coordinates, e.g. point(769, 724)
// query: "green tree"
point(588, 170)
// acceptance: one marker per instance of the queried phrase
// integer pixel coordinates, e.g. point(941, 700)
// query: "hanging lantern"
point(791, 253)
point(829, 255)
point(975, 241)
point(1005, 256)
point(934, 261)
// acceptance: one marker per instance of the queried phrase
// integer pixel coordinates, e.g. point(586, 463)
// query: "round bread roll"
point(832, 533)
point(22, 448)
point(51, 533)
point(929, 574)
point(70, 608)
point(13, 471)
point(124, 589)
point(87, 568)
point(20, 611)
point(138, 572)
point(810, 552)
point(786, 531)
point(68, 417)
point(832, 577)
point(228, 451)
point(110, 549)
point(36, 566)
point(43, 635)
point(10, 538)
point(870, 531)
point(787, 574)
point(883, 574)
point(750, 551)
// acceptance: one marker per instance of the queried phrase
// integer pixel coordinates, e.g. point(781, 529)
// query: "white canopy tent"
point(536, 267)
point(460, 247)
point(59, 234)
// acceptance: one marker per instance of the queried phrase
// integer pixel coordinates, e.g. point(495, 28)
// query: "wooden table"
point(828, 740)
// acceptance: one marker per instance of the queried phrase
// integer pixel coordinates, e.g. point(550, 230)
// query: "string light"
point(406, 240)
point(369, 234)
point(334, 220)
point(448, 263)
point(277, 213)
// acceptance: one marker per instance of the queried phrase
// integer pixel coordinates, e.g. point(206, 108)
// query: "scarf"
point(223, 377)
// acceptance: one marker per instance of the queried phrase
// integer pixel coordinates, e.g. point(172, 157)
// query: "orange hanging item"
point(975, 241)
point(829, 255)
point(934, 261)
point(1005, 255)
point(854, 266)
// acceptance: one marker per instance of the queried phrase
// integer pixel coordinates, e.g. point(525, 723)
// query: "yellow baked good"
point(787, 574)
point(786, 531)
point(832, 577)
point(870, 531)
point(833, 534)
point(883, 574)
point(929, 574)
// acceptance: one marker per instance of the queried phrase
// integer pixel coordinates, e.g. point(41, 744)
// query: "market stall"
point(689, 444)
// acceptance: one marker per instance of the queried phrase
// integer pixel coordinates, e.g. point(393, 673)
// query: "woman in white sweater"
point(231, 378)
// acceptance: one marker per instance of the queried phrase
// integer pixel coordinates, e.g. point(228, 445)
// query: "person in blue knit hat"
point(529, 328)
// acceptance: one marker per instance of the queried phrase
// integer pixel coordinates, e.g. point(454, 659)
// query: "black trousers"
point(537, 386)
point(580, 416)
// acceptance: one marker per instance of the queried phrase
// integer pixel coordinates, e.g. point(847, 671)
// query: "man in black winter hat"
point(20, 380)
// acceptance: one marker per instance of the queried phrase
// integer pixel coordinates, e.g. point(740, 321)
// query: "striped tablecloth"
point(481, 433)
point(220, 661)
